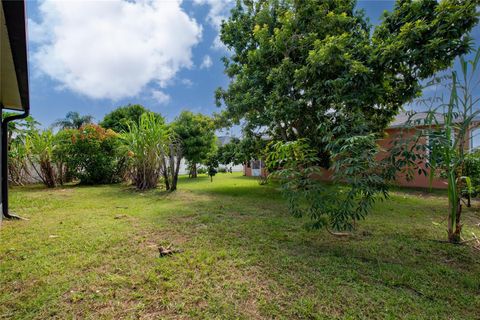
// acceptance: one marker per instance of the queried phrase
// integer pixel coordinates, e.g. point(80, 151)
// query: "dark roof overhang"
point(14, 36)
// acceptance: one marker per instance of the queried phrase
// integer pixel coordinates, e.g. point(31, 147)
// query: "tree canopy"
point(229, 152)
point(296, 64)
point(197, 133)
point(73, 120)
point(118, 119)
point(240, 151)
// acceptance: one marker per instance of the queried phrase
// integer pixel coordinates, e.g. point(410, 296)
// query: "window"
point(475, 139)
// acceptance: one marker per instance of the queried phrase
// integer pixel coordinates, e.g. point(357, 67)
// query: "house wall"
point(247, 171)
point(418, 181)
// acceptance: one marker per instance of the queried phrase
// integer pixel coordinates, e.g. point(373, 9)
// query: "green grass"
point(91, 253)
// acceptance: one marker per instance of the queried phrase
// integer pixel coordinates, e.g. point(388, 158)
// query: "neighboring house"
point(255, 168)
point(398, 125)
point(14, 94)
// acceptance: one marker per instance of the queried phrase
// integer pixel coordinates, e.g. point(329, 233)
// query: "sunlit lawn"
point(91, 252)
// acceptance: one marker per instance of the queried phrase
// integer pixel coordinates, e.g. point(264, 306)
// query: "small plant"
point(263, 180)
point(212, 172)
point(212, 164)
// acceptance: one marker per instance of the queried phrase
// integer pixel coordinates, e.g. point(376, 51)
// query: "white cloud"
point(218, 44)
point(219, 11)
point(35, 32)
point(206, 62)
point(161, 97)
point(187, 82)
point(113, 49)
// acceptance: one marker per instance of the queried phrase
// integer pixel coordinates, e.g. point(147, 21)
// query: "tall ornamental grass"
point(146, 143)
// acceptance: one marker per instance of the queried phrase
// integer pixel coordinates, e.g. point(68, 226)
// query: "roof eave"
point(16, 23)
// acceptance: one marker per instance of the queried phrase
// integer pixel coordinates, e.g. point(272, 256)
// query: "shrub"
point(144, 143)
point(39, 146)
point(94, 156)
point(62, 153)
point(212, 164)
point(18, 167)
point(18, 171)
point(202, 170)
point(472, 169)
point(154, 152)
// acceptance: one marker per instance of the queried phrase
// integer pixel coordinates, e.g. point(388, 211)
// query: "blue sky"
point(175, 66)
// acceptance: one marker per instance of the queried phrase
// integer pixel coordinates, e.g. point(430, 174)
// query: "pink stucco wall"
point(419, 181)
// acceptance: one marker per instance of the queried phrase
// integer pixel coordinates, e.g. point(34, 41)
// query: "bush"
point(61, 155)
point(146, 143)
point(471, 169)
point(202, 170)
point(94, 156)
point(18, 169)
point(39, 147)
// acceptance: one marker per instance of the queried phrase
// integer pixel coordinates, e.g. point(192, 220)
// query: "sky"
point(93, 56)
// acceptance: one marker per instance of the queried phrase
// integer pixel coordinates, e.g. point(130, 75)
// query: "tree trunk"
point(194, 170)
point(171, 163)
point(454, 222)
point(177, 169)
point(146, 178)
point(61, 173)
point(455, 206)
point(165, 174)
point(48, 174)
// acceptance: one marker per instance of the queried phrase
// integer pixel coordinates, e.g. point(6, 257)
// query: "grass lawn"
point(91, 252)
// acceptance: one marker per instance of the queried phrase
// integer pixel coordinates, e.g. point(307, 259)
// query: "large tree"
point(297, 64)
point(229, 152)
point(197, 135)
point(119, 119)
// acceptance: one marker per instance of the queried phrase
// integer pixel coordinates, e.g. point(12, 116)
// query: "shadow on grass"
point(387, 264)
point(236, 230)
